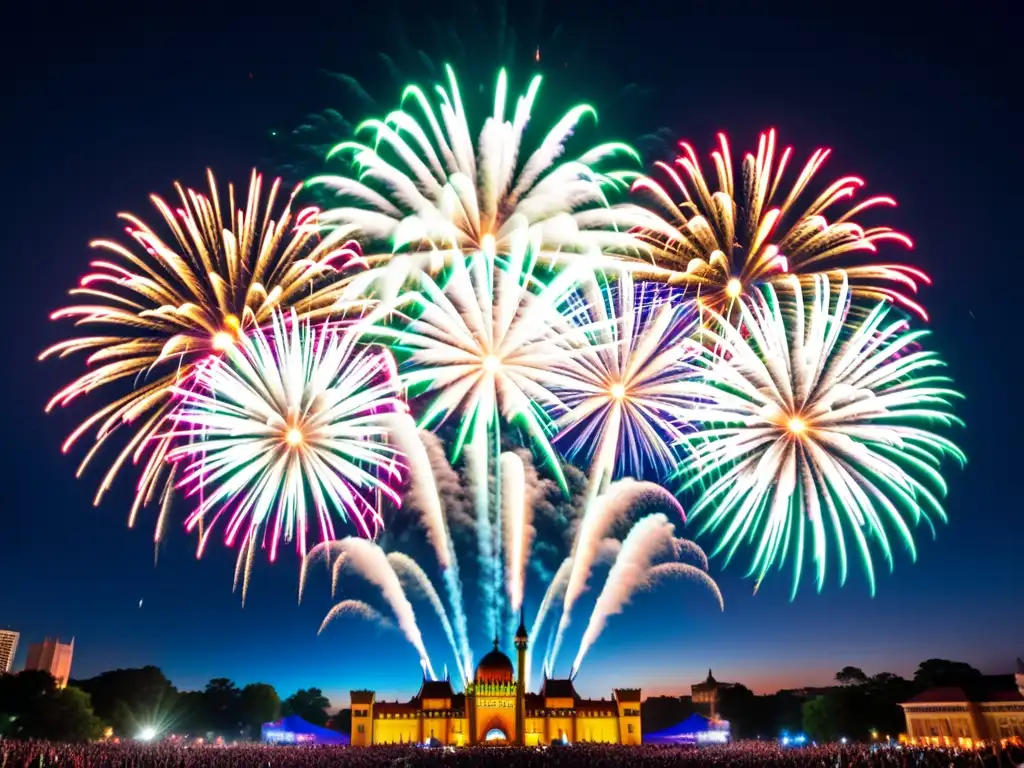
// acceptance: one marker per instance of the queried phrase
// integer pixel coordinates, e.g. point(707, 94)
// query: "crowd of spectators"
point(39, 754)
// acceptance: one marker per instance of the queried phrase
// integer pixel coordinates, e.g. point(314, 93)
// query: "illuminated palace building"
point(496, 709)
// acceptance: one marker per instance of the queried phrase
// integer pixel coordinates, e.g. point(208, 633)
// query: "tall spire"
point(522, 636)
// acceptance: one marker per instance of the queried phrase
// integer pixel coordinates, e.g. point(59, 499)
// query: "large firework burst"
point(424, 185)
point(163, 305)
point(811, 429)
point(628, 400)
point(750, 231)
point(488, 338)
point(290, 426)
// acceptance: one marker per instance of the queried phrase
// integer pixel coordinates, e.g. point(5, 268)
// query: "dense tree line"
point(130, 701)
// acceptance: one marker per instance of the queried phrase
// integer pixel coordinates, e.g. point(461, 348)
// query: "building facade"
point(497, 709)
point(8, 647)
point(953, 716)
point(54, 657)
point(706, 696)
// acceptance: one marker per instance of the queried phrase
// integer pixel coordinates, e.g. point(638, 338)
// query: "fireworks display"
point(810, 431)
point(485, 340)
point(424, 185)
point(728, 342)
point(290, 427)
point(158, 307)
point(627, 400)
point(751, 230)
point(648, 553)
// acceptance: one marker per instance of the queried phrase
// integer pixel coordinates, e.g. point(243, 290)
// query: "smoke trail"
point(606, 553)
point(357, 608)
point(422, 491)
point(371, 562)
point(598, 521)
point(687, 571)
point(519, 532)
point(554, 592)
point(336, 573)
point(406, 566)
point(476, 467)
point(685, 546)
point(647, 539)
point(435, 489)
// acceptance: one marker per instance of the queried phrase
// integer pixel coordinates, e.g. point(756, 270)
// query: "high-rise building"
point(52, 656)
point(8, 647)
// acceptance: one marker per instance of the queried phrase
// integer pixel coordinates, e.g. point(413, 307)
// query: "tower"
point(8, 647)
point(362, 718)
point(522, 640)
point(54, 657)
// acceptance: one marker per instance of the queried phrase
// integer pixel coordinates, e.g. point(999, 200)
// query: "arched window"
point(495, 734)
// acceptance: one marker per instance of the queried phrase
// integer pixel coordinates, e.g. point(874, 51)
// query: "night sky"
point(102, 110)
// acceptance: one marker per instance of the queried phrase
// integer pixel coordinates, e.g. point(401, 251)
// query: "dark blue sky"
point(102, 110)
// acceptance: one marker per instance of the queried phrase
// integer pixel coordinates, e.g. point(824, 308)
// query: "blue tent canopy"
point(696, 729)
point(294, 730)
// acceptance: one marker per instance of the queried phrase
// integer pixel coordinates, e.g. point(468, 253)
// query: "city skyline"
point(919, 117)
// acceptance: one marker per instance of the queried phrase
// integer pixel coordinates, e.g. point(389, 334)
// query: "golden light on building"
point(950, 715)
point(496, 709)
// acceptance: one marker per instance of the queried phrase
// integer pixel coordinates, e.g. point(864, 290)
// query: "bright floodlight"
point(147, 734)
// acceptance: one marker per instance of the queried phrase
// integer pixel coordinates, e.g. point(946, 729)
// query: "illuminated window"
point(360, 729)
point(629, 728)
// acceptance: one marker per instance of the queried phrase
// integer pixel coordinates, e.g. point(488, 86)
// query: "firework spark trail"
point(406, 567)
point(685, 571)
point(422, 491)
point(429, 468)
point(811, 426)
point(161, 307)
point(427, 499)
point(687, 547)
point(372, 564)
point(519, 531)
point(598, 521)
point(554, 592)
point(320, 551)
point(355, 608)
point(648, 539)
point(479, 480)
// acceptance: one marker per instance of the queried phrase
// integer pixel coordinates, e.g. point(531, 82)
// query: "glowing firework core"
point(492, 363)
point(294, 437)
point(733, 288)
point(223, 340)
point(796, 426)
point(618, 391)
